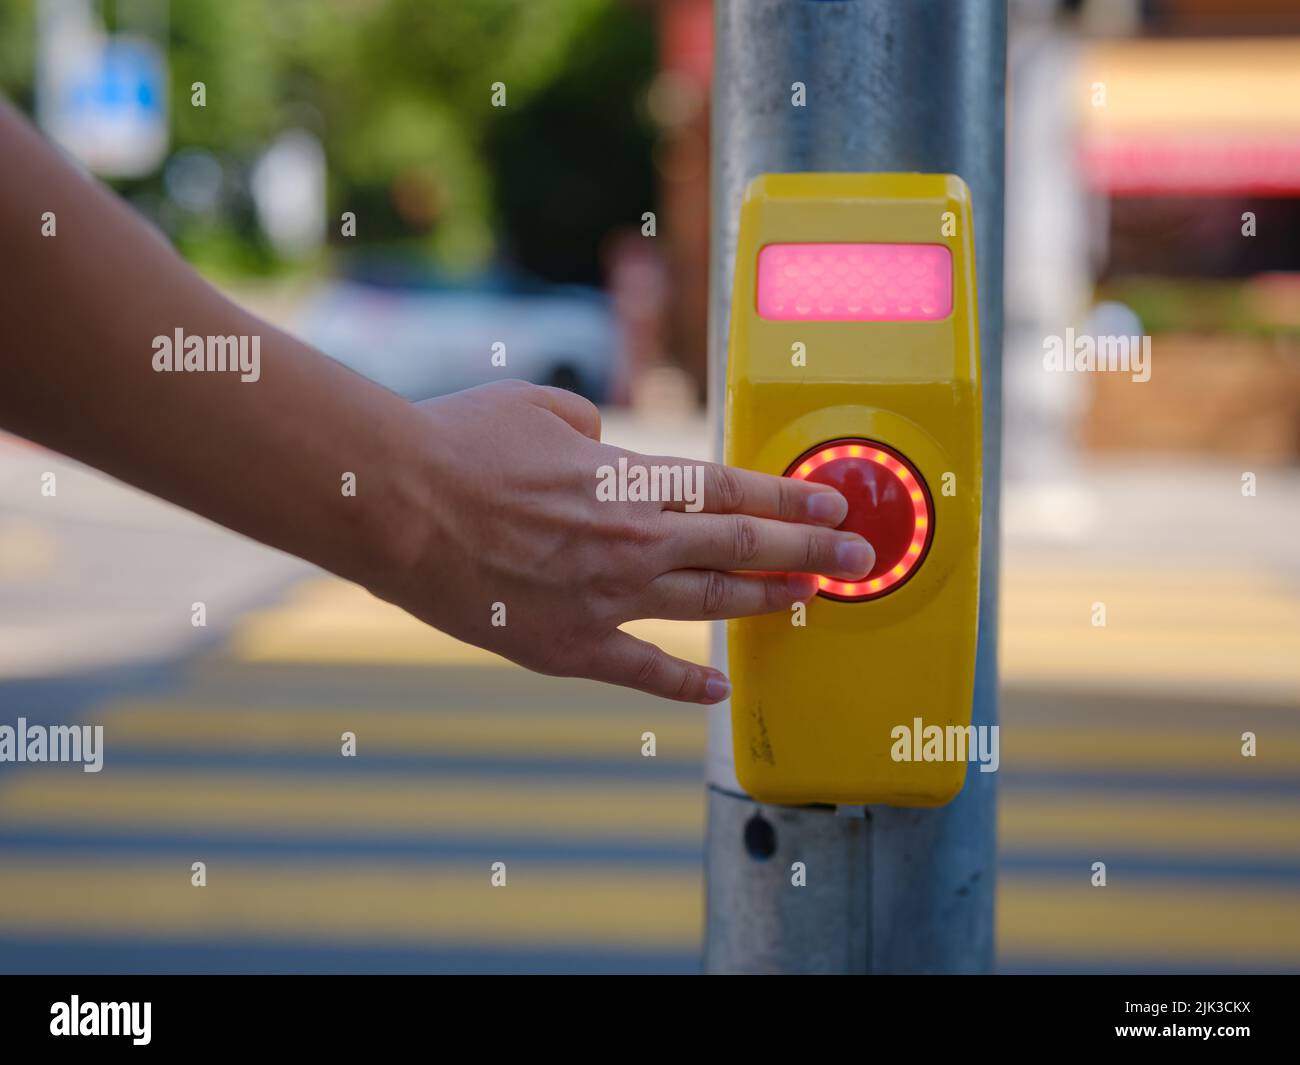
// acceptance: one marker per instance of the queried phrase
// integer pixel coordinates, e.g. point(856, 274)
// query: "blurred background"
point(406, 183)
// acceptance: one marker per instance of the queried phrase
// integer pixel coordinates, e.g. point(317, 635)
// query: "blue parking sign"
point(109, 106)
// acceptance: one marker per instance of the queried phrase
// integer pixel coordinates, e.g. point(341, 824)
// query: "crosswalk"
point(493, 820)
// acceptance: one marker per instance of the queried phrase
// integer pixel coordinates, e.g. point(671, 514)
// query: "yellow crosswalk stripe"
point(1130, 661)
point(264, 804)
point(1233, 629)
point(573, 906)
point(493, 807)
point(332, 621)
point(592, 906)
point(1181, 629)
point(1191, 598)
point(1197, 752)
point(1178, 825)
point(1051, 917)
point(614, 734)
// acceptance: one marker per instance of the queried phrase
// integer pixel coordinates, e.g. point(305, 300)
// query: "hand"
point(513, 518)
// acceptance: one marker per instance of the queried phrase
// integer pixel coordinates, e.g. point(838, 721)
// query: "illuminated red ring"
point(922, 514)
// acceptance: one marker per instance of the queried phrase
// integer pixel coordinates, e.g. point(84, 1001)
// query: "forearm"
point(80, 313)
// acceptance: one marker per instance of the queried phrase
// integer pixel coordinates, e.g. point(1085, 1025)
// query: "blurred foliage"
point(400, 93)
point(573, 159)
point(18, 51)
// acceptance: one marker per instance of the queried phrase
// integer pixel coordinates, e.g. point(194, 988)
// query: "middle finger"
point(740, 542)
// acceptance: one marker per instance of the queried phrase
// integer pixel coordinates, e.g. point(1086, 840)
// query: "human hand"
point(512, 517)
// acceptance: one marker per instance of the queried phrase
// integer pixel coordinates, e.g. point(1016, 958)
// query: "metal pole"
point(890, 85)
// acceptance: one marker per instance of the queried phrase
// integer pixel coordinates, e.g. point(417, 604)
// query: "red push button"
point(889, 505)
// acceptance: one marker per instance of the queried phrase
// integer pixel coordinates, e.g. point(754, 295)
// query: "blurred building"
point(1169, 149)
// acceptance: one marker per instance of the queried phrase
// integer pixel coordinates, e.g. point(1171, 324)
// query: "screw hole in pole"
point(760, 838)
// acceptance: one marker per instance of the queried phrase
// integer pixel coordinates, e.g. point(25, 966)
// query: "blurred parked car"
point(423, 336)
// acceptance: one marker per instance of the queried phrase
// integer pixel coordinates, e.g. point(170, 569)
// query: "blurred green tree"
point(400, 94)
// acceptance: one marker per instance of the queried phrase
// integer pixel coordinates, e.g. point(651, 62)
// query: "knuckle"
point(788, 502)
point(686, 686)
point(775, 593)
point(514, 386)
point(650, 666)
point(631, 530)
point(715, 593)
point(628, 561)
point(745, 539)
point(644, 530)
point(817, 551)
point(727, 485)
point(612, 587)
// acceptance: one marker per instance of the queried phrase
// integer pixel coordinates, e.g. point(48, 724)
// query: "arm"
point(480, 497)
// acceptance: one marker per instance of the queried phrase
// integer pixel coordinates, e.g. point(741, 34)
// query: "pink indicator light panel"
point(855, 282)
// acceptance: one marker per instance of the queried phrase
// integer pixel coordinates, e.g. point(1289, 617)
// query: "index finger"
point(730, 490)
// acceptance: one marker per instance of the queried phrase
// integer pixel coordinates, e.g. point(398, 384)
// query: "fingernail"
point(829, 508)
point(855, 556)
point(717, 688)
point(801, 585)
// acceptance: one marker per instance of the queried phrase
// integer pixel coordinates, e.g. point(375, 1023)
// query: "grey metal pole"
point(890, 85)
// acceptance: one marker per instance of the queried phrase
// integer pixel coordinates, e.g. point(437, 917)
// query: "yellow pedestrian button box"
point(854, 361)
